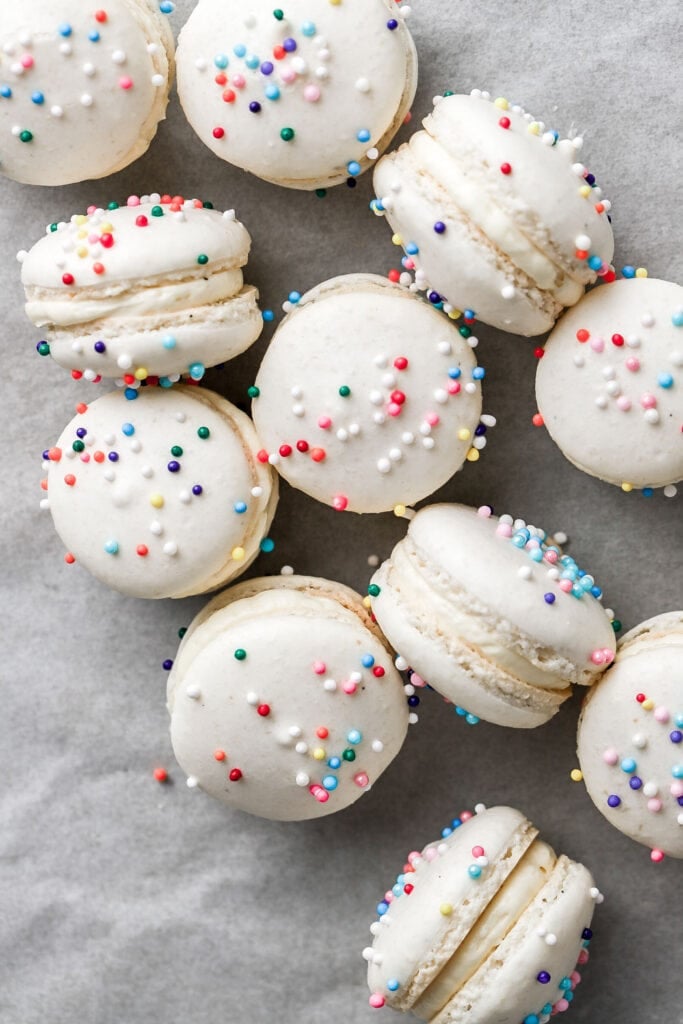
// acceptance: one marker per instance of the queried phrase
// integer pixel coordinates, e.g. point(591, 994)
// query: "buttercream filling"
point(476, 203)
point(519, 889)
point(170, 298)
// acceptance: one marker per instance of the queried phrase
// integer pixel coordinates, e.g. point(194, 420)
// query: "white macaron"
point(368, 399)
point(150, 288)
point(630, 739)
point(610, 384)
point(486, 924)
point(491, 614)
point(305, 96)
point(284, 698)
point(496, 212)
point(82, 89)
point(161, 496)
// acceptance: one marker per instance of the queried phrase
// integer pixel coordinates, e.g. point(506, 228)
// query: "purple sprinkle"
point(266, 68)
point(676, 736)
point(587, 933)
point(113, 456)
point(289, 45)
point(543, 977)
point(480, 430)
point(439, 227)
point(46, 455)
point(634, 782)
point(434, 297)
point(590, 179)
point(549, 598)
point(100, 347)
point(173, 466)
point(167, 665)
point(392, 24)
point(197, 489)
point(255, 107)
point(613, 800)
point(81, 432)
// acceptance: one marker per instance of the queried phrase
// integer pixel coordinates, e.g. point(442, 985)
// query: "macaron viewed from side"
point(151, 288)
point(306, 96)
point(161, 496)
point(491, 614)
point(496, 212)
point(485, 926)
point(82, 89)
point(610, 384)
point(284, 699)
point(630, 738)
point(368, 399)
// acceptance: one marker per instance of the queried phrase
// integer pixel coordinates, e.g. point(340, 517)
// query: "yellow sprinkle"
point(319, 754)
point(397, 240)
point(472, 455)
point(446, 909)
point(157, 501)
point(627, 487)
point(641, 272)
point(576, 775)
point(82, 234)
point(107, 228)
point(237, 554)
point(464, 434)
point(141, 373)
point(367, 603)
point(335, 3)
point(648, 704)
point(585, 191)
point(501, 103)
point(81, 219)
point(399, 510)
point(534, 128)
point(82, 252)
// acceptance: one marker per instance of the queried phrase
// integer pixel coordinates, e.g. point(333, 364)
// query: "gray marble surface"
point(126, 902)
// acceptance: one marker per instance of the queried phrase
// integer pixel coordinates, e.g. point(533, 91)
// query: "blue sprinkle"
point(94, 36)
point(382, 908)
point(131, 394)
point(240, 50)
point(65, 30)
point(240, 507)
point(272, 92)
point(363, 135)
point(221, 61)
point(354, 736)
point(111, 547)
point(393, 984)
point(635, 782)
point(294, 297)
point(460, 711)
point(267, 68)
point(197, 371)
point(665, 380)
point(5, 92)
point(412, 249)
point(446, 832)
point(629, 271)
point(628, 765)
point(252, 61)
point(478, 373)
point(474, 871)
point(334, 762)
point(439, 227)
point(676, 318)
point(165, 382)
point(456, 823)
point(37, 98)
point(469, 314)
point(392, 24)
point(647, 492)
point(168, 341)
point(268, 315)
point(594, 262)
point(166, 7)
point(454, 372)
point(128, 429)
point(267, 545)
point(367, 661)
point(596, 592)
point(471, 719)
point(308, 28)
point(353, 168)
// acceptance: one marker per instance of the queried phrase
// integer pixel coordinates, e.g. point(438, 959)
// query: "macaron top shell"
point(368, 397)
point(630, 738)
point(284, 699)
point(298, 97)
point(160, 497)
point(81, 90)
point(610, 382)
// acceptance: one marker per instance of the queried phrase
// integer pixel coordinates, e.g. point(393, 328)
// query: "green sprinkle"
point(26, 136)
point(203, 432)
point(157, 211)
point(78, 446)
point(240, 654)
point(208, 206)
point(287, 134)
point(349, 755)
point(253, 391)
point(112, 206)
point(465, 331)
point(321, 193)
point(176, 451)
point(345, 391)
point(53, 227)
point(448, 92)
point(374, 590)
point(43, 348)
point(202, 259)
point(181, 632)
point(278, 14)
point(616, 625)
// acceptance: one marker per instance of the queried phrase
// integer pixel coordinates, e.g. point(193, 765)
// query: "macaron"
point(496, 212)
point(368, 398)
point(491, 614)
point(82, 90)
point(151, 288)
point(610, 384)
point(306, 96)
point(630, 739)
point(487, 924)
point(161, 496)
point(284, 699)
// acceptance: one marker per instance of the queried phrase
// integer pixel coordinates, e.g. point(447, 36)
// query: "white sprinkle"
point(342, 435)
point(56, 111)
point(428, 442)
point(355, 677)
point(401, 663)
point(294, 731)
point(388, 380)
point(375, 397)
point(379, 417)
point(472, 341)
point(301, 748)
point(377, 746)
point(508, 291)
point(200, 64)
point(302, 779)
point(252, 698)
point(229, 215)
point(354, 429)
point(639, 740)
point(299, 65)
point(170, 548)
point(286, 570)
point(412, 720)
point(192, 782)
point(373, 561)
point(118, 57)
point(44, 504)
point(612, 388)
point(193, 692)
point(368, 953)
point(579, 170)
point(109, 475)
point(601, 402)
point(553, 574)
point(440, 396)
point(582, 242)
point(65, 49)
point(185, 497)
point(579, 360)
point(373, 153)
point(256, 492)
point(470, 388)
point(296, 392)
point(647, 320)
point(407, 437)
point(363, 85)
point(650, 789)
point(395, 454)
point(479, 808)
point(487, 420)
point(274, 459)
point(651, 416)
point(375, 928)
point(425, 428)
point(156, 528)
point(152, 48)
point(77, 346)
point(86, 100)
point(444, 348)
point(524, 572)
point(330, 685)
point(298, 409)
point(158, 80)
point(89, 69)
point(670, 491)
point(633, 341)
point(135, 445)
point(321, 72)
point(551, 939)
point(409, 689)
point(381, 361)
point(147, 472)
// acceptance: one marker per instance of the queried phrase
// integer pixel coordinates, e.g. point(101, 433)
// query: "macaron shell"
point(597, 397)
point(89, 92)
point(623, 740)
point(506, 989)
point(357, 77)
point(148, 530)
point(415, 939)
point(328, 379)
point(258, 706)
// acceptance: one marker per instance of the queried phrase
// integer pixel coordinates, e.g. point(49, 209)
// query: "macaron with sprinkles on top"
point(284, 699)
point(158, 494)
point(485, 925)
point(307, 95)
point(82, 89)
point(368, 398)
point(496, 212)
point(150, 288)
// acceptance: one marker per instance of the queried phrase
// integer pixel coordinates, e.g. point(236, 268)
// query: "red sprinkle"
point(618, 340)
point(142, 550)
point(537, 420)
point(262, 455)
point(504, 122)
point(98, 268)
point(539, 352)
point(68, 279)
point(141, 221)
point(263, 710)
point(640, 697)
point(401, 363)
point(219, 755)
point(76, 374)
point(235, 775)
point(322, 733)
point(100, 16)
point(107, 240)
point(302, 446)
point(394, 275)
point(318, 454)
point(285, 450)
point(398, 397)
point(69, 479)
point(506, 168)
point(229, 96)
point(69, 558)
point(582, 335)
point(161, 775)
point(378, 671)
point(408, 888)
point(340, 502)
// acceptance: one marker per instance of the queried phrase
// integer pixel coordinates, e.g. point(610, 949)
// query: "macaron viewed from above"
point(491, 614)
point(150, 288)
point(609, 387)
point(306, 95)
point(485, 926)
point(368, 398)
point(82, 89)
point(630, 739)
point(496, 213)
point(161, 496)
point(284, 699)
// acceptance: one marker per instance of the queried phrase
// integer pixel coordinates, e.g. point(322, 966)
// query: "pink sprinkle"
point(349, 687)
point(584, 957)
point(561, 1005)
point(647, 400)
point(288, 75)
point(430, 853)
point(133, 201)
point(623, 403)
point(677, 788)
point(319, 667)
point(609, 655)
point(413, 856)
point(311, 93)
point(376, 1000)
point(94, 237)
point(27, 61)
point(477, 851)
point(575, 978)
point(361, 780)
point(661, 714)
point(597, 657)
point(388, 897)
point(504, 530)
point(565, 585)
point(325, 422)
point(85, 457)
point(417, 680)
point(393, 409)
point(484, 511)
point(125, 82)
point(321, 794)
point(657, 856)
point(597, 344)
point(454, 387)
point(91, 210)
point(239, 81)
point(432, 419)
point(551, 556)
point(610, 756)
point(409, 264)
point(340, 502)
point(465, 815)
point(633, 364)
point(654, 805)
